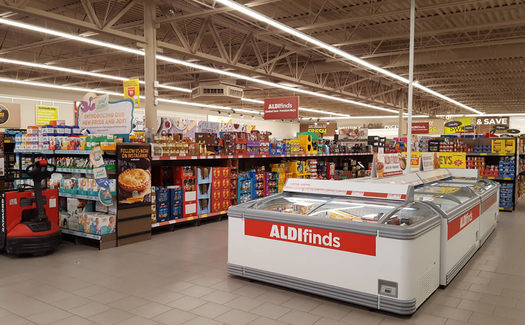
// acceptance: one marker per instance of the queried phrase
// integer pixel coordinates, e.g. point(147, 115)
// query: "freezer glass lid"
point(462, 193)
point(411, 214)
point(291, 203)
point(354, 210)
point(445, 202)
point(480, 186)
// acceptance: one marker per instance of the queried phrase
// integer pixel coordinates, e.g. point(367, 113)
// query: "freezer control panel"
point(388, 288)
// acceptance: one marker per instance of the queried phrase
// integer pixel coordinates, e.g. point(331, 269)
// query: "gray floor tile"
point(141, 284)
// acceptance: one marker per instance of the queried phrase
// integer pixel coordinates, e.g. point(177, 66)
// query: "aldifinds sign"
point(281, 108)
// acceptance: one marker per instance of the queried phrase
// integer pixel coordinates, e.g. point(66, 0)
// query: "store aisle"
point(180, 278)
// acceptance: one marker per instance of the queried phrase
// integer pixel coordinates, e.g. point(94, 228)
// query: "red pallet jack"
point(30, 216)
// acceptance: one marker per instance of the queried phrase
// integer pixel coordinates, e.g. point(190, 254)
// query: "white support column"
point(150, 64)
point(400, 124)
point(410, 84)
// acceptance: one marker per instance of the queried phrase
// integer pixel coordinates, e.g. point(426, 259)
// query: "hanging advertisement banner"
point(321, 129)
point(458, 126)
point(498, 123)
point(9, 115)
point(177, 125)
point(420, 127)
point(281, 108)
point(98, 115)
point(389, 164)
point(134, 175)
point(132, 91)
point(452, 160)
point(46, 114)
point(353, 134)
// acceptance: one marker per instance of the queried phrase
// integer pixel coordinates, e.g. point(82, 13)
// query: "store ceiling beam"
point(210, 12)
point(90, 12)
point(433, 32)
point(448, 47)
point(119, 14)
point(356, 19)
point(457, 56)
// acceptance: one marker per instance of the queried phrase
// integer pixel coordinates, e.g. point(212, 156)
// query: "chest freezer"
point(349, 241)
point(460, 209)
point(488, 192)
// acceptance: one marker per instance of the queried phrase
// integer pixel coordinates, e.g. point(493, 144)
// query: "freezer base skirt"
point(487, 235)
point(403, 307)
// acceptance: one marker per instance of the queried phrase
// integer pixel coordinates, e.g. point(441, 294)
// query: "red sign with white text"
point(331, 239)
point(420, 127)
point(279, 108)
point(464, 220)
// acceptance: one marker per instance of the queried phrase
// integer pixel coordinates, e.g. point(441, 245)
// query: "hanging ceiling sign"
point(487, 124)
point(501, 127)
point(281, 108)
point(458, 126)
point(98, 115)
point(420, 127)
point(132, 91)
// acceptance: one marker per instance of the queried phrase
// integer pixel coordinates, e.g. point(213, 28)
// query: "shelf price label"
point(452, 160)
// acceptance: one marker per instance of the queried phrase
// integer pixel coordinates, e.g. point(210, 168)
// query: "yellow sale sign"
point(45, 114)
point(452, 160)
point(132, 91)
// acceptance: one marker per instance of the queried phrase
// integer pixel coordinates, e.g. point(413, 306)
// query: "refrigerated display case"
point(378, 248)
point(488, 191)
point(469, 207)
point(460, 208)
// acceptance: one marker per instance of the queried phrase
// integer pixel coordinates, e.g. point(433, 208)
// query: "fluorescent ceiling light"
point(83, 72)
point(254, 14)
point(187, 64)
point(359, 117)
point(258, 101)
point(101, 91)
point(482, 115)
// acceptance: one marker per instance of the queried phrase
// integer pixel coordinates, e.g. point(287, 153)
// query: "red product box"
point(225, 194)
point(216, 194)
point(184, 172)
point(216, 184)
point(225, 205)
point(189, 209)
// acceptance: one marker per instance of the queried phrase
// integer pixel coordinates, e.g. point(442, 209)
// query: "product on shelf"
point(220, 189)
point(186, 178)
point(506, 195)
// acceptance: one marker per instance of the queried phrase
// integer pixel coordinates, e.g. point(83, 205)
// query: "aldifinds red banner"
point(458, 224)
point(297, 234)
point(420, 127)
point(280, 108)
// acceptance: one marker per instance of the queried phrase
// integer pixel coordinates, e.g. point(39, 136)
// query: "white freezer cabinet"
point(377, 249)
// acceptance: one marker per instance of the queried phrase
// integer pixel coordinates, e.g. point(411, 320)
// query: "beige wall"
point(28, 97)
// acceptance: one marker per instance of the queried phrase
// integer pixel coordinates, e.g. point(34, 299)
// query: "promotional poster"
point(134, 170)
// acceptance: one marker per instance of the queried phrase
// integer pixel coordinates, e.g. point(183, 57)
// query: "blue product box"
point(204, 175)
point(162, 196)
point(203, 191)
point(175, 194)
point(176, 212)
point(163, 213)
point(203, 206)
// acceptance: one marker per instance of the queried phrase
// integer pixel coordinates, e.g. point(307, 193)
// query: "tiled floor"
point(180, 278)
